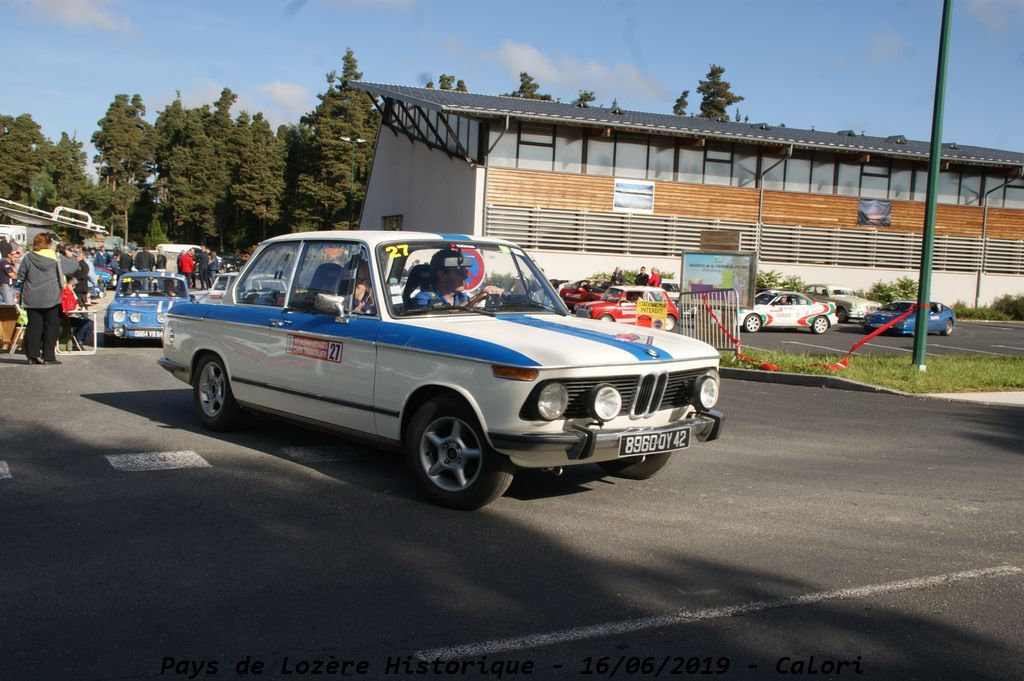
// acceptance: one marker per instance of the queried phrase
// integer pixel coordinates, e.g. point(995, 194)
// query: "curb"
point(808, 380)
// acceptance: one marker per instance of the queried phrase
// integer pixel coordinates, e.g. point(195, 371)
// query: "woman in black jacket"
point(41, 273)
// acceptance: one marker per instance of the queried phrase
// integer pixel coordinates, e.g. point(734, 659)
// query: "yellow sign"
point(651, 309)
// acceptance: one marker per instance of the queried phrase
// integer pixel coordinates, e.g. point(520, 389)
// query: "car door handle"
point(280, 322)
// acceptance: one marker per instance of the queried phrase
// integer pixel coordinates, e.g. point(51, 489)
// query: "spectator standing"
point(81, 274)
point(202, 271)
point(144, 261)
point(125, 262)
point(187, 267)
point(642, 277)
point(213, 267)
point(161, 259)
point(655, 279)
point(41, 274)
point(8, 274)
point(5, 246)
point(618, 278)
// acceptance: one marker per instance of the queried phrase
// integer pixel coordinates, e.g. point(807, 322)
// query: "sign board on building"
point(707, 270)
point(633, 196)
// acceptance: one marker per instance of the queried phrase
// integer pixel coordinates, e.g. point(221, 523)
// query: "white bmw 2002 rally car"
point(455, 349)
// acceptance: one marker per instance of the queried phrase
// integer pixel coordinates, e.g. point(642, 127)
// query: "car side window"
point(266, 282)
point(326, 267)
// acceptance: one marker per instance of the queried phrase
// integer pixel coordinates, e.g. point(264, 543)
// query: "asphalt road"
point(876, 530)
point(968, 338)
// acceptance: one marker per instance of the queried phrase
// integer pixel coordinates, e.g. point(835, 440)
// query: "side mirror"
point(192, 298)
point(327, 304)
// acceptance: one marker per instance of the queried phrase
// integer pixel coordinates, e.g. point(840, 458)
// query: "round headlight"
point(605, 402)
point(706, 391)
point(552, 400)
point(161, 318)
point(118, 316)
point(135, 317)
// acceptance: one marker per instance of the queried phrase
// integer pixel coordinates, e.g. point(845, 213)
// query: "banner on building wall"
point(874, 213)
point(633, 196)
point(704, 271)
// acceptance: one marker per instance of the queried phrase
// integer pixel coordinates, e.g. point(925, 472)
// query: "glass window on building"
point(949, 186)
point(920, 183)
point(600, 154)
point(798, 172)
point(775, 164)
point(744, 166)
point(503, 153)
point(474, 139)
point(691, 165)
point(970, 189)
point(631, 156)
point(536, 146)
point(533, 133)
point(899, 181)
point(848, 182)
point(823, 173)
point(874, 180)
point(718, 163)
point(661, 158)
point(995, 199)
point(1014, 197)
point(569, 150)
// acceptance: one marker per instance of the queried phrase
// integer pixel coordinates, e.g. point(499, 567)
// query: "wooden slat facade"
point(537, 189)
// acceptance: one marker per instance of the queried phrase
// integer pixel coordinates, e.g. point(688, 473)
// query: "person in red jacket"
point(187, 266)
point(80, 326)
point(655, 279)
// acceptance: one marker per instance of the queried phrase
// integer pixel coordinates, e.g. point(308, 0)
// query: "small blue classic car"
point(941, 318)
point(140, 305)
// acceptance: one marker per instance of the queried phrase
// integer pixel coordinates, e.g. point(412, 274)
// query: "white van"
point(172, 250)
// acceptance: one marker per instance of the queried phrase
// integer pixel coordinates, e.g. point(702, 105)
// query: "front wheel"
point(752, 324)
point(948, 329)
point(607, 318)
point(451, 460)
point(636, 468)
point(215, 402)
point(670, 323)
point(819, 325)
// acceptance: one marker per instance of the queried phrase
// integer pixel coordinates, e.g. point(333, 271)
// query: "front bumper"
point(590, 444)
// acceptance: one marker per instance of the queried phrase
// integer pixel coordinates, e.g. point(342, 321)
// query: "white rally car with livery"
point(787, 309)
point(455, 349)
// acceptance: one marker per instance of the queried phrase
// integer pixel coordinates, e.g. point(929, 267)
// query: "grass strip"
point(944, 374)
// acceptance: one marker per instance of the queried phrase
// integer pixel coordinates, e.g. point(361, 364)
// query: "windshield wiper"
point(478, 310)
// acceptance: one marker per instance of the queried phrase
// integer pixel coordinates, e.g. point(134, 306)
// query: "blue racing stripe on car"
point(447, 343)
point(638, 350)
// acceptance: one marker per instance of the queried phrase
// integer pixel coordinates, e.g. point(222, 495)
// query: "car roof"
point(374, 237)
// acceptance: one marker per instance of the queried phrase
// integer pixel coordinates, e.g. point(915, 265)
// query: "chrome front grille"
point(641, 395)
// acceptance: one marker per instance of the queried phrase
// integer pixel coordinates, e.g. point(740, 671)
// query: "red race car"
point(618, 304)
point(582, 291)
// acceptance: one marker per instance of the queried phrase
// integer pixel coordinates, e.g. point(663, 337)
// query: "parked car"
point(218, 287)
point(230, 262)
point(849, 306)
point(581, 291)
point(787, 309)
point(468, 361)
point(941, 318)
point(618, 304)
point(106, 277)
point(670, 285)
point(141, 303)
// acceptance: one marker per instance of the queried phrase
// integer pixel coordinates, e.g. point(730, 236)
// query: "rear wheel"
point(842, 314)
point(752, 324)
point(451, 460)
point(607, 318)
point(636, 468)
point(948, 329)
point(215, 403)
point(820, 325)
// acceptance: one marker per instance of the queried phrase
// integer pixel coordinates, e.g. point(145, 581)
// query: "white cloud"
point(888, 46)
point(292, 98)
point(567, 72)
point(82, 14)
point(997, 15)
point(280, 103)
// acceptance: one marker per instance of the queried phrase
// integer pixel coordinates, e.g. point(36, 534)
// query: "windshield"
point(144, 287)
point(843, 292)
point(764, 298)
point(440, 276)
point(897, 307)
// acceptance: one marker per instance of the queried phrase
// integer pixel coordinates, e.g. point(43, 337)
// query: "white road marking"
point(156, 461)
point(5, 471)
point(692, 616)
point(323, 453)
point(1008, 347)
point(953, 347)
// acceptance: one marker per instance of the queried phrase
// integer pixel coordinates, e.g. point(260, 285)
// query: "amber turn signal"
point(514, 373)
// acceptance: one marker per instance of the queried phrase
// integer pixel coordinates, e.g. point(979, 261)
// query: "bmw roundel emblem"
point(652, 352)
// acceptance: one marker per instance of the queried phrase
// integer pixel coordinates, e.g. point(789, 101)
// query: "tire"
point(607, 318)
point(670, 323)
point(450, 459)
point(948, 329)
point(843, 315)
point(752, 323)
point(636, 468)
point(820, 325)
point(215, 403)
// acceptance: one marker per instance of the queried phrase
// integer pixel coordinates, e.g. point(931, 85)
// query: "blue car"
point(941, 318)
point(140, 305)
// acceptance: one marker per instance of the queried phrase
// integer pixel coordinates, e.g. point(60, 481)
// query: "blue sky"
point(866, 65)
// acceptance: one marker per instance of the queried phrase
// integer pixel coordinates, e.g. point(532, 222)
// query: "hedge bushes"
point(1004, 308)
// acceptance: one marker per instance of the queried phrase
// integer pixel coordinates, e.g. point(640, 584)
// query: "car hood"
point(145, 305)
point(544, 340)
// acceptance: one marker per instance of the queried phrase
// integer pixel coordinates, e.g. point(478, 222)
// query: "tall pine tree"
point(124, 146)
point(716, 94)
point(528, 89)
point(22, 156)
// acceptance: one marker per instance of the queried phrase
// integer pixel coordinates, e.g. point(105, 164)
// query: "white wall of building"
point(946, 287)
point(431, 190)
